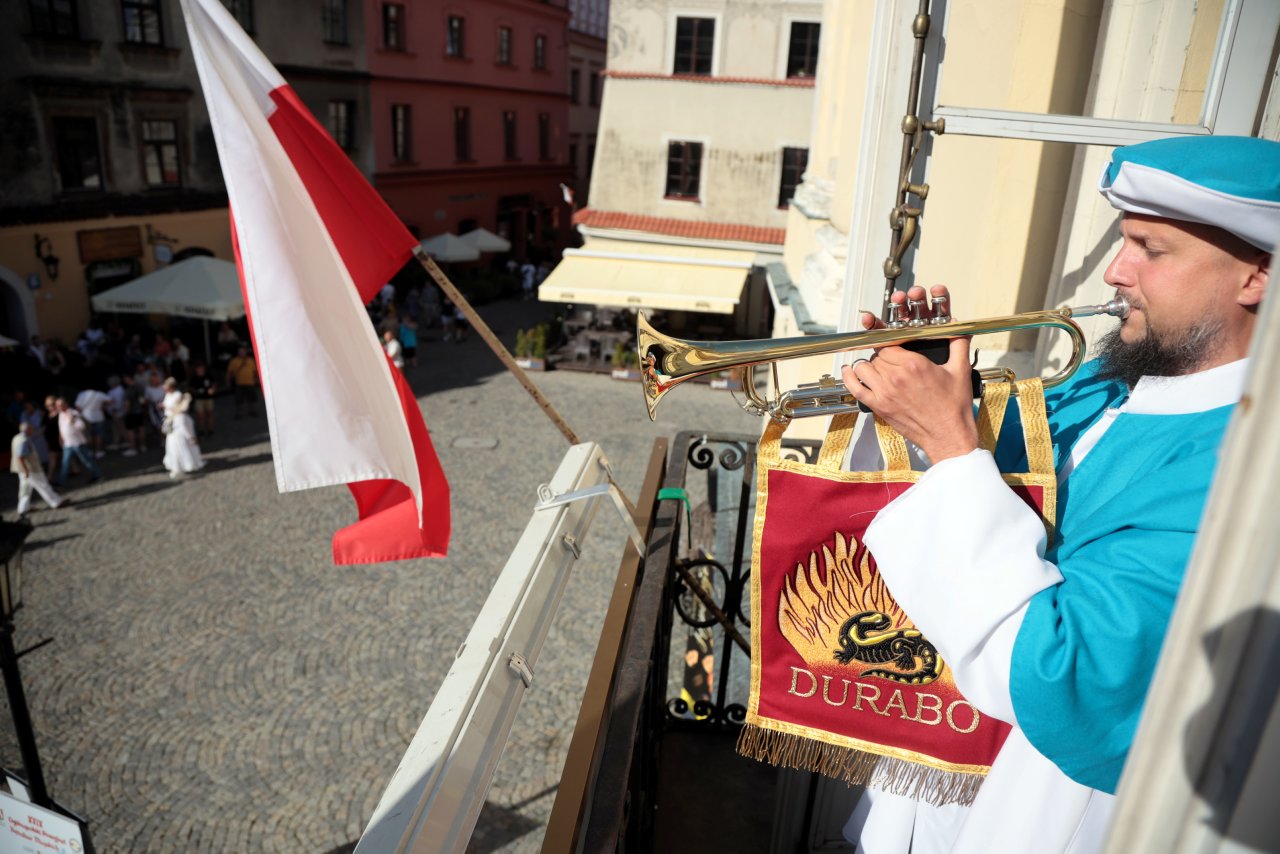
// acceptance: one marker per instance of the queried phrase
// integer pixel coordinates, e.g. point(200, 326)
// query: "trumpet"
point(665, 362)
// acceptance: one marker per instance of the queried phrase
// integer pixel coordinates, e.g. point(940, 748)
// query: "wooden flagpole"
point(499, 350)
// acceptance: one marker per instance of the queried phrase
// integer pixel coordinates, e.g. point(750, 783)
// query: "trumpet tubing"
point(665, 362)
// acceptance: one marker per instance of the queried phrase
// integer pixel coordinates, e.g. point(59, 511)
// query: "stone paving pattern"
point(216, 684)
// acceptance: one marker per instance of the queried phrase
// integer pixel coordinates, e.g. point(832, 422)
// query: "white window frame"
point(1241, 58)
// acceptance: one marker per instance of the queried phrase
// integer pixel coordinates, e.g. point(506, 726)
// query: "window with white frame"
point(160, 153)
point(695, 41)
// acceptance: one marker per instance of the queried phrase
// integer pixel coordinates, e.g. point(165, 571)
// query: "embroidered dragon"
point(864, 637)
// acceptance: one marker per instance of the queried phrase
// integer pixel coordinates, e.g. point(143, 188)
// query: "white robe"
point(181, 451)
point(1026, 804)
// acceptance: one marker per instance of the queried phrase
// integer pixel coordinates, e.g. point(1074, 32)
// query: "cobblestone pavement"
point(215, 684)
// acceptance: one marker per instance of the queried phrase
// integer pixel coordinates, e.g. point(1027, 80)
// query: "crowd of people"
point(115, 392)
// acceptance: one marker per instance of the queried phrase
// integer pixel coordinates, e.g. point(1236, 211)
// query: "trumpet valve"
point(901, 317)
point(916, 307)
point(941, 311)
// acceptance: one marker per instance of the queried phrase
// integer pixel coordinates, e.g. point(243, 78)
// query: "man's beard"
point(1158, 354)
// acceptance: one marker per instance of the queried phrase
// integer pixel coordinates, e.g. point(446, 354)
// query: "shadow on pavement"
point(215, 464)
point(36, 545)
point(118, 494)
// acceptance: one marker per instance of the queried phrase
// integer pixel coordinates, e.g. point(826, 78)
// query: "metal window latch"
point(571, 543)
point(547, 500)
point(517, 665)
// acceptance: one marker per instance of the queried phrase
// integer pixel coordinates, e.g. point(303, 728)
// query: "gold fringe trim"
point(859, 768)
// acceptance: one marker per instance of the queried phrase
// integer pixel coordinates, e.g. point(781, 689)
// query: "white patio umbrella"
point(450, 247)
point(486, 241)
point(7, 342)
point(203, 287)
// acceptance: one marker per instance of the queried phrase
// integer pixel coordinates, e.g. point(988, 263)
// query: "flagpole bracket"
point(520, 667)
point(547, 499)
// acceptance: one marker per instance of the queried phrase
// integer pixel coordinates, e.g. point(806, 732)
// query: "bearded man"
point(1060, 639)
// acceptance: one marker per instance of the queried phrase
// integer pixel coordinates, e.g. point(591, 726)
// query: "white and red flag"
point(314, 243)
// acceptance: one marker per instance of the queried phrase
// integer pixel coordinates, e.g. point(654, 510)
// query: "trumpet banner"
point(842, 682)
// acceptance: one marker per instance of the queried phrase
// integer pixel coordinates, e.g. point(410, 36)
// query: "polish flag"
point(315, 243)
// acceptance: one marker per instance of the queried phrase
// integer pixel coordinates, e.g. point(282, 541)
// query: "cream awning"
point(650, 275)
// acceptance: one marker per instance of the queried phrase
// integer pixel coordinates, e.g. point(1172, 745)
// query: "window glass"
point(454, 44)
point(54, 18)
point(142, 22)
point(334, 19)
point(695, 38)
point(504, 45)
point(684, 167)
point(401, 133)
point(393, 26)
point(794, 162)
point(160, 153)
point(802, 55)
point(79, 163)
point(342, 123)
point(462, 133)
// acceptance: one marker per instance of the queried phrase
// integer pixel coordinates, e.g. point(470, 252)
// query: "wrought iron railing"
point(681, 673)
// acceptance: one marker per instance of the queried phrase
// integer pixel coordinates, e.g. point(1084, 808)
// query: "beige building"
point(1034, 97)
point(703, 136)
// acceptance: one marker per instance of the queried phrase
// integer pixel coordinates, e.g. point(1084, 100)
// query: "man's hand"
point(931, 405)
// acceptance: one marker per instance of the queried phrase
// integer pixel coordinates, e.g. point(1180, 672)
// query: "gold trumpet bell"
point(665, 362)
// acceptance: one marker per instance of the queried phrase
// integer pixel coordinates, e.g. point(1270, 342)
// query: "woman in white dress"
point(181, 452)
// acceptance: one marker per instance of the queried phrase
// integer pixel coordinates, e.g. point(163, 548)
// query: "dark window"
point(573, 157)
point(342, 123)
point(591, 160)
point(695, 38)
point(595, 89)
point(539, 52)
point(54, 18)
point(504, 45)
point(684, 166)
point(334, 18)
point(575, 86)
point(509, 134)
point(401, 133)
point(142, 22)
point(79, 164)
point(802, 57)
point(242, 11)
point(794, 162)
point(455, 41)
point(160, 153)
point(393, 26)
point(544, 136)
point(462, 133)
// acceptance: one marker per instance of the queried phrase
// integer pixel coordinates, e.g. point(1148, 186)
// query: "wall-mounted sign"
point(109, 244)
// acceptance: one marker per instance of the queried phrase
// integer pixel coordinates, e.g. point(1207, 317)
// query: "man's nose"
point(1117, 273)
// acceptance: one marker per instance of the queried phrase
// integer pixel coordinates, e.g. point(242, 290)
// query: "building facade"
point(470, 111)
point(109, 163)
point(588, 48)
point(703, 136)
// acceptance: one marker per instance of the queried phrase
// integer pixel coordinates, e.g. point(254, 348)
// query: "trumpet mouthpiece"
point(1118, 307)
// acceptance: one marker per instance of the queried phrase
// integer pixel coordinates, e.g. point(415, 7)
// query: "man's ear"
point(1255, 288)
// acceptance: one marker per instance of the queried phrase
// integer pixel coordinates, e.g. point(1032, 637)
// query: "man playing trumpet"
point(1060, 639)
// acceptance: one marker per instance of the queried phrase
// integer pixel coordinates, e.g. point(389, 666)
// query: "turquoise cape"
point(1127, 519)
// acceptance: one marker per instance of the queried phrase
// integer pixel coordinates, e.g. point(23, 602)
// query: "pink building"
point(470, 107)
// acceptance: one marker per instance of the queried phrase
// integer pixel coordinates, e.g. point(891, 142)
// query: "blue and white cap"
point(1232, 182)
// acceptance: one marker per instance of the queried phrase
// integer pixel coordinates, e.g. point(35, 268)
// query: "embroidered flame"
point(814, 604)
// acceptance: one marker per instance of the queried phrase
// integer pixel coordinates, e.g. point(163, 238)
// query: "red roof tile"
point(790, 82)
point(679, 227)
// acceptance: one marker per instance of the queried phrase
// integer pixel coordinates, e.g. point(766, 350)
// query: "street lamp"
point(44, 254)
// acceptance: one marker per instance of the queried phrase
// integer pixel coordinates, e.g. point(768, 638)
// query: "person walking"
point(181, 450)
point(203, 389)
point(242, 376)
point(409, 339)
point(25, 463)
point(72, 430)
point(392, 348)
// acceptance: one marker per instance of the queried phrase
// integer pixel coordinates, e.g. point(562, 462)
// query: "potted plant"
point(626, 362)
point(531, 348)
